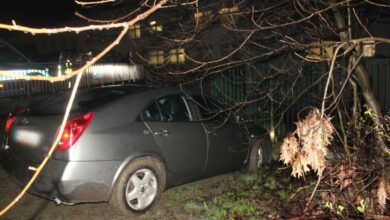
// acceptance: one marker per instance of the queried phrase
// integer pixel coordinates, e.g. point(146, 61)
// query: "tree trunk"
point(361, 75)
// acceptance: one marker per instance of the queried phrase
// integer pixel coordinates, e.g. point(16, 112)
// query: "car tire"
point(259, 155)
point(139, 186)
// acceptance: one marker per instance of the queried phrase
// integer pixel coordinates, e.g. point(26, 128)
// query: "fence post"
point(28, 86)
point(89, 77)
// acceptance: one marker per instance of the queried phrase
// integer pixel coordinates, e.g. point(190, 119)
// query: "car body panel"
point(30, 138)
point(116, 135)
point(70, 182)
point(227, 147)
point(184, 146)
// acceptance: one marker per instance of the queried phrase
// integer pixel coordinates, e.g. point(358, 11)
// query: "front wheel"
point(139, 186)
point(260, 154)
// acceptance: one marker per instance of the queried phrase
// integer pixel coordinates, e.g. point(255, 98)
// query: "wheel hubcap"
point(141, 189)
point(259, 157)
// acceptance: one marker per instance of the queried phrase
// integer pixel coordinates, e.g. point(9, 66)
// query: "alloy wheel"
point(259, 157)
point(141, 189)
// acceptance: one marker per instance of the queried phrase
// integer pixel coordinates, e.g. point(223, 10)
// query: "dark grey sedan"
point(126, 145)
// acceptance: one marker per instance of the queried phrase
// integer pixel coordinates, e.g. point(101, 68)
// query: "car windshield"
point(85, 99)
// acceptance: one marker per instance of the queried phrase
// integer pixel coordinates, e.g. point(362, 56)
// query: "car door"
point(228, 145)
point(182, 141)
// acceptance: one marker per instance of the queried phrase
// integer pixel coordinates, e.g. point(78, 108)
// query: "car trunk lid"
point(32, 131)
point(31, 137)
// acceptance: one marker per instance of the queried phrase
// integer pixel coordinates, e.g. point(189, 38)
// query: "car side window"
point(174, 108)
point(152, 113)
point(210, 109)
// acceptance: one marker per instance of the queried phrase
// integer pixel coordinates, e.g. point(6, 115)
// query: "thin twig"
point(78, 72)
point(52, 148)
point(329, 77)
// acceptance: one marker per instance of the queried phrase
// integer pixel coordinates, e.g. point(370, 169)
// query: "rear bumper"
point(69, 182)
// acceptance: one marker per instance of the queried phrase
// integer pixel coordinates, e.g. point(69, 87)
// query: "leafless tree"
point(287, 37)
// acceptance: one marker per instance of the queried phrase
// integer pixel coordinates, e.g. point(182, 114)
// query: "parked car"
point(126, 145)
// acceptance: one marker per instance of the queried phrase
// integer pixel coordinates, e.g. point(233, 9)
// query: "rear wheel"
point(139, 186)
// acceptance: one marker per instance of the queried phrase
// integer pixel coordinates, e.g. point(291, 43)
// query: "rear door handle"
point(162, 132)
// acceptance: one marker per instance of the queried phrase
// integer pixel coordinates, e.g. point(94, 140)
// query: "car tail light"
point(74, 128)
point(8, 124)
point(11, 119)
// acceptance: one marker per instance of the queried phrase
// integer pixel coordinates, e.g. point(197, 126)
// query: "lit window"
point(202, 14)
point(226, 14)
point(231, 10)
point(155, 26)
point(177, 56)
point(135, 31)
point(156, 57)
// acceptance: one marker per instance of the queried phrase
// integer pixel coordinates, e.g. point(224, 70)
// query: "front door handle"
point(162, 132)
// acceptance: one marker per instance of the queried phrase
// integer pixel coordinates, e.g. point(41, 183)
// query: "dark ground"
point(262, 195)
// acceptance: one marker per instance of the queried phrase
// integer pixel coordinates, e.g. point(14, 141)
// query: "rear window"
point(85, 100)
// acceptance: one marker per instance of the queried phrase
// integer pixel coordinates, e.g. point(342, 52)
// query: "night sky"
point(38, 13)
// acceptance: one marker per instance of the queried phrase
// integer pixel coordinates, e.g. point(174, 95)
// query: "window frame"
point(182, 98)
point(155, 26)
point(215, 118)
point(177, 56)
point(134, 31)
point(192, 114)
point(141, 114)
point(159, 56)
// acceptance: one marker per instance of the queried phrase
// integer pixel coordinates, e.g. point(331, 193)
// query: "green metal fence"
point(236, 86)
point(379, 70)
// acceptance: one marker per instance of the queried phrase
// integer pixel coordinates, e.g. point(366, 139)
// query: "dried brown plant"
point(308, 148)
point(345, 176)
point(382, 194)
point(290, 149)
